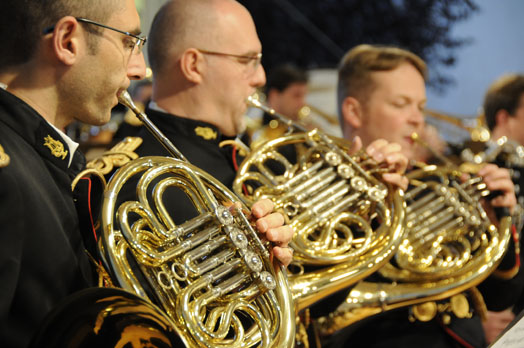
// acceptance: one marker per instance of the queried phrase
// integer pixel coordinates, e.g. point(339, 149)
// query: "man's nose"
point(136, 68)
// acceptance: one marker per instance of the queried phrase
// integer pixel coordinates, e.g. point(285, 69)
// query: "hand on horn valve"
point(389, 155)
point(272, 225)
point(498, 180)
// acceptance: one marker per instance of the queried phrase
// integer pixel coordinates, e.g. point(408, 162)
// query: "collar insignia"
point(4, 158)
point(56, 147)
point(206, 133)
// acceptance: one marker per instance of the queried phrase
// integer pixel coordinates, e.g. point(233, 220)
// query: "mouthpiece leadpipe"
point(125, 99)
point(416, 138)
point(257, 104)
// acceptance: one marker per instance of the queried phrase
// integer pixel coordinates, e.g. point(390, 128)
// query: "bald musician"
point(206, 60)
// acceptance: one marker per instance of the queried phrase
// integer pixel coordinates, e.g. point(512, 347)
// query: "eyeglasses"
point(136, 45)
point(254, 59)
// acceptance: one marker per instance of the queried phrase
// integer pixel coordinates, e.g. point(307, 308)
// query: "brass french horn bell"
point(212, 275)
point(449, 246)
point(347, 221)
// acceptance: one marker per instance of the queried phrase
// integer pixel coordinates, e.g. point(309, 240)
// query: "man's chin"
point(99, 119)
point(240, 127)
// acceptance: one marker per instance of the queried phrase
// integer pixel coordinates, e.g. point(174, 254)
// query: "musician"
point(286, 91)
point(198, 97)
point(504, 108)
point(381, 94)
point(61, 60)
point(504, 115)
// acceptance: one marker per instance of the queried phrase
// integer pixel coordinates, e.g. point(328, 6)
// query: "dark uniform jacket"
point(42, 257)
point(198, 141)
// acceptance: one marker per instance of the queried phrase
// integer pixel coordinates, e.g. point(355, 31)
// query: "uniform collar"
point(35, 130)
point(71, 144)
point(181, 125)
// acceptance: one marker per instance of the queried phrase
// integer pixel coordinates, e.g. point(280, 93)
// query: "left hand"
point(272, 225)
point(496, 323)
point(498, 179)
point(390, 155)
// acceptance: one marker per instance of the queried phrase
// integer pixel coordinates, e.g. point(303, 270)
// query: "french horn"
point(212, 275)
point(449, 246)
point(347, 222)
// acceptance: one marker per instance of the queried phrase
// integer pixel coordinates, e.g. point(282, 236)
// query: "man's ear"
point(272, 95)
point(192, 65)
point(352, 112)
point(66, 40)
point(502, 118)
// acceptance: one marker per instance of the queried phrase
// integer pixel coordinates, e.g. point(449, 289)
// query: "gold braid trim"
point(512, 272)
point(117, 156)
point(104, 280)
point(478, 303)
point(301, 336)
point(241, 147)
point(507, 274)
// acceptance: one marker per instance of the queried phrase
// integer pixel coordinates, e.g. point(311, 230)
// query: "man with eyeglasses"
point(61, 60)
point(203, 77)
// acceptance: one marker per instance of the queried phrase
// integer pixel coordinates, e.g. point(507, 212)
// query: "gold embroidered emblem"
point(206, 133)
point(4, 158)
point(117, 156)
point(56, 147)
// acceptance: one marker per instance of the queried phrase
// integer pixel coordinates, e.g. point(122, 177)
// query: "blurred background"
point(466, 43)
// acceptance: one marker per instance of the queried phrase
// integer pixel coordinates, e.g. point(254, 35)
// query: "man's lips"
point(409, 140)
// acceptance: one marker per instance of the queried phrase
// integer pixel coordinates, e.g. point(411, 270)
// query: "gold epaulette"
point(479, 303)
point(4, 158)
point(117, 156)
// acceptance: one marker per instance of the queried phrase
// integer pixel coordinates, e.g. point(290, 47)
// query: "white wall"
point(147, 10)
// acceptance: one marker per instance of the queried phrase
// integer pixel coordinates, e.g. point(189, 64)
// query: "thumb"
point(356, 145)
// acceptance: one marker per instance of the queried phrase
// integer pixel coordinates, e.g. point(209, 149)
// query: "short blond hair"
point(356, 67)
point(504, 94)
